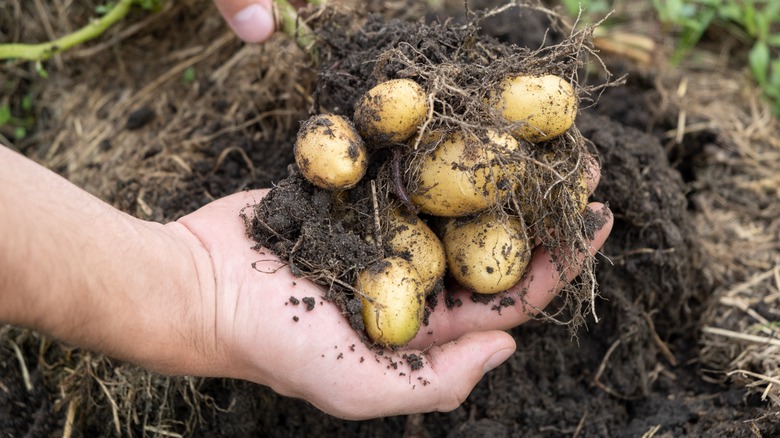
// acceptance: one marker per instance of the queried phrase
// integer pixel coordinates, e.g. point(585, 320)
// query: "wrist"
point(76, 268)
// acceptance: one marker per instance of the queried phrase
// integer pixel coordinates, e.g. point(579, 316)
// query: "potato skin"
point(392, 111)
point(395, 315)
point(487, 254)
point(462, 176)
point(330, 153)
point(546, 106)
point(411, 238)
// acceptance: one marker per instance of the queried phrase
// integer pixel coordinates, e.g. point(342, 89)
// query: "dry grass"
point(735, 192)
point(82, 111)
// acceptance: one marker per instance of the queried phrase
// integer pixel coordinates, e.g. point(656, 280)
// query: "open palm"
point(264, 331)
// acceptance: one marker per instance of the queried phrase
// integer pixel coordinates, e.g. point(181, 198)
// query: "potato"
point(394, 314)
point(411, 238)
point(330, 153)
point(392, 111)
point(579, 193)
point(543, 106)
point(487, 254)
point(462, 176)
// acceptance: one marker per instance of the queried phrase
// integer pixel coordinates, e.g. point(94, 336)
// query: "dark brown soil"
point(635, 371)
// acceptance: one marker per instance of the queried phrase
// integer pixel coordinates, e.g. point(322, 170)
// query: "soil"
point(638, 371)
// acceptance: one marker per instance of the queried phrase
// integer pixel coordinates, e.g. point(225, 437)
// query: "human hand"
point(252, 20)
point(251, 330)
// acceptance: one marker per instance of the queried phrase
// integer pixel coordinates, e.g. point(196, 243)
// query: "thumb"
point(459, 365)
point(251, 20)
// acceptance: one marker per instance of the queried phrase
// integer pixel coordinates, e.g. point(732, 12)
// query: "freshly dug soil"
point(635, 371)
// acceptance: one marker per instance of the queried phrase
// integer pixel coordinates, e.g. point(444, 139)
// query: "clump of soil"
point(329, 237)
point(639, 371)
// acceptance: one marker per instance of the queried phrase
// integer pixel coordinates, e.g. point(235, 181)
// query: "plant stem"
point(44, 51)
point(287, 21)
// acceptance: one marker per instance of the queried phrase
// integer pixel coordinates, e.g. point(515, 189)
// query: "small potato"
point(579, 193)
point(488, 254)
point(544, 106)
point(410, 237)
point(330, 153)
point(395, 312)
point(392, 111)
point(463, 176)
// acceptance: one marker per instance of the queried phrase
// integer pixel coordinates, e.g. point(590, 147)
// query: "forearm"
point(82, 271)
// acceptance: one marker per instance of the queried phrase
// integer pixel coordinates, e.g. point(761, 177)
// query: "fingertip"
point(594, 174)
point(460, 364)
point(600, 235)
point(252, 22)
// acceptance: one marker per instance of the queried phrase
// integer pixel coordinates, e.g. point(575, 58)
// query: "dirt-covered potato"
point(487, 254)
point(394, 312)
point(464, 174)
point(391, 111)
point(411, 238)
point(544, 107)
point(330, 153)
point(579, 192)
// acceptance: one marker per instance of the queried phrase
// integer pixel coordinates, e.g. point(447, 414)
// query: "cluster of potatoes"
point(461, 180)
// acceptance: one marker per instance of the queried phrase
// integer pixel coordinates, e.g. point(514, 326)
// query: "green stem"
point(289, 24)
point(44, 51)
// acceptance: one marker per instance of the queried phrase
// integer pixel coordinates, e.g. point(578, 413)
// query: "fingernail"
point(497, 359)
point(253, 24)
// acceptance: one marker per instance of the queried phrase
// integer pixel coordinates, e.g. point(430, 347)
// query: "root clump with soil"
point(469, 158)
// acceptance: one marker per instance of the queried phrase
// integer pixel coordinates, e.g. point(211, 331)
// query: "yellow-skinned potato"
point(487, 254)
point(330, 153)
point(462, 175)
point(394, 314)
point(391, 111)
point(544, 106)
point(411, 237)
point(579, 193)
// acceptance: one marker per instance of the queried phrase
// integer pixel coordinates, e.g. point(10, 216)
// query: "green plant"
point(590, 7)
point(755, 21)
point(113, 11)
point(17, 125)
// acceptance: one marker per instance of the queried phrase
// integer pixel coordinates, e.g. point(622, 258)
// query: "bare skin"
point(183, 299)
point(251, 20)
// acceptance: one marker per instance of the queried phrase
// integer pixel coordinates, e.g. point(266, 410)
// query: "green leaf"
point(774, 76)
point(40, 70)
point(731, 12)
point(5, 114)
point(189, 75)
point(20, 132)
point(151, 5)
point(773, 40)
point(758, 59)
point(104, 9)
point(27, 103)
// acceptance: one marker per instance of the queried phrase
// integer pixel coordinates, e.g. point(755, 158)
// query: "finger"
point(447, 375)
point(594, 174)
point(251, 20)
point(537, 289)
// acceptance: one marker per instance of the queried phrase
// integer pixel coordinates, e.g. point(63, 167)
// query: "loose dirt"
point(639, 370)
